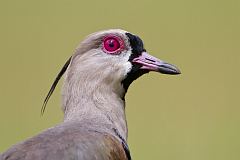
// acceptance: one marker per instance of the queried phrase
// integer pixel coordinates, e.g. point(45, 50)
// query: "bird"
point(96, 79)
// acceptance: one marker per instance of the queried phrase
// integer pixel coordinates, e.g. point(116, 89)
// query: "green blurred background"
point(194, 116)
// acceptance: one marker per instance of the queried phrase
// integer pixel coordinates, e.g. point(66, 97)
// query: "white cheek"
point(128, 67)
point(127, 64)
point(126, 55)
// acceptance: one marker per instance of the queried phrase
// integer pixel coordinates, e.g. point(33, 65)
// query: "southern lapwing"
point(97, 77)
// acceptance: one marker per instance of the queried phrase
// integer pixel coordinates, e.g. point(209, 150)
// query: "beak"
point(151, 63)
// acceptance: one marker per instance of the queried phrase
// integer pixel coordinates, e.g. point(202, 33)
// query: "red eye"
point(111, 44)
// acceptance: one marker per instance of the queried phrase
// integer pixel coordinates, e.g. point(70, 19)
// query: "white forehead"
point(116, 31)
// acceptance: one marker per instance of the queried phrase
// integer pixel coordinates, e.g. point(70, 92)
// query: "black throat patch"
point(137, 48)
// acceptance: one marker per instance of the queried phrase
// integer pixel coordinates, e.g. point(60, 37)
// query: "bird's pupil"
point(111, 44)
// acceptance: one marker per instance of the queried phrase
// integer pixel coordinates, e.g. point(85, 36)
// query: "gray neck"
point(96, 100)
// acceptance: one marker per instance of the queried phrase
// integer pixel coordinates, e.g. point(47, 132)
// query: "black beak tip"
point(167, 68)
point(171, 72)
point(177, 71)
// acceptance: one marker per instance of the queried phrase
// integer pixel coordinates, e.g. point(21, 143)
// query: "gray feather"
point(70, 141)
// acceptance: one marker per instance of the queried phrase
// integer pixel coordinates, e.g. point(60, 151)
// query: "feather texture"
point(69, 141)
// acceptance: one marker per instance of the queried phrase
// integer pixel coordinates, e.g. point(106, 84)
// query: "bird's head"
point(113, 58)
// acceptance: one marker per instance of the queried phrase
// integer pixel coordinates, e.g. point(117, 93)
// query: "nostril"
point(150, 60)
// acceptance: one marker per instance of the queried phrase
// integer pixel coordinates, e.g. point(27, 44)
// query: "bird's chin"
point(134, 73)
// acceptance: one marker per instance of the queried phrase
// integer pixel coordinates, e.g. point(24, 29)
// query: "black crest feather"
point(64, 68)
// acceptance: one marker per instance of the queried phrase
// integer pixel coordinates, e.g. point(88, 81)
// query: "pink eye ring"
point(112, 44)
